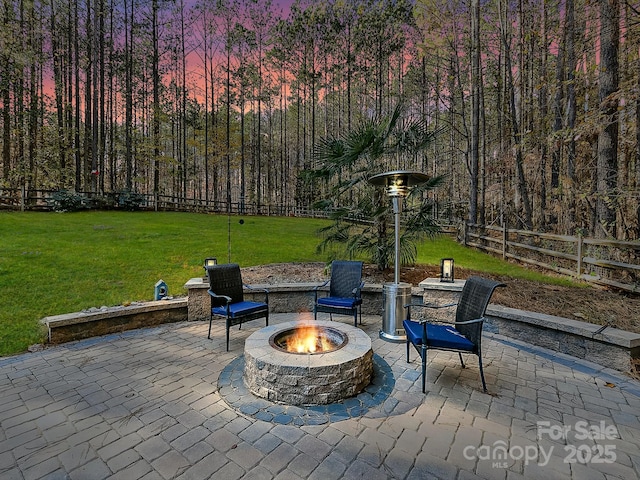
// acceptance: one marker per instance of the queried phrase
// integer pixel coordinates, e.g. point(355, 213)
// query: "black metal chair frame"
point(346, 283)
point(226, 290)
point(469, 320)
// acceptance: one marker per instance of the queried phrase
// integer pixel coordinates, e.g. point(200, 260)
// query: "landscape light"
point(446, 270)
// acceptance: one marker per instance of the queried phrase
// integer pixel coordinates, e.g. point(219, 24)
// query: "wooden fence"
point(34, 200)
point(607, 262)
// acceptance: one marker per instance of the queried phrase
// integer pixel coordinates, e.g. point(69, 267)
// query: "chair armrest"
point(215, 295)
point(258, 289)
point(223, 298)
point(433, 321)
point(471, 322)
point(316, 288)
point(429, 305)
point(323, 285)
point(356, 292)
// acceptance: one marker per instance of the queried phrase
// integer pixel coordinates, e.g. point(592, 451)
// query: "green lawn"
point(52, 263)
point(440, 247)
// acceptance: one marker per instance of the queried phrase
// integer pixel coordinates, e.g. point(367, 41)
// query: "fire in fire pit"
point(329, 374)
point(309, 339)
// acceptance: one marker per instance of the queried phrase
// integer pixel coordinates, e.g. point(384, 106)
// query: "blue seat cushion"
point(340, 302)
point(240, 309)
point(438, 336)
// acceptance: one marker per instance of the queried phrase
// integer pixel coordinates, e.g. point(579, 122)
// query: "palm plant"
point(362, 215)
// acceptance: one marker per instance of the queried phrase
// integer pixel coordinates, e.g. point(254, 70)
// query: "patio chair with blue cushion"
point(345, 291)
point(462, 336)
point(227, 298)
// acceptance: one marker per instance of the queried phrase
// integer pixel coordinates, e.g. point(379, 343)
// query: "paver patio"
point(145, 404)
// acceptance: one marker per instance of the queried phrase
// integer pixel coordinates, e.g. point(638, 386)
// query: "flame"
point(308, 339)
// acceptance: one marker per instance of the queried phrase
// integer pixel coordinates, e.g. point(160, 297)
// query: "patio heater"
point(397, 185)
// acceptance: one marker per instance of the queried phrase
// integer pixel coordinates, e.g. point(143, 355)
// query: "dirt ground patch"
point(586, 303)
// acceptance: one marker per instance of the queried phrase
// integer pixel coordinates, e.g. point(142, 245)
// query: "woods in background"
point(537, 103)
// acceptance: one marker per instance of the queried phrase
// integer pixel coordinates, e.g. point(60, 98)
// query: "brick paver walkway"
point(145, 405)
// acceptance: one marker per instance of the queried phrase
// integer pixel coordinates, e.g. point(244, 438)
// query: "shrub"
point(104, 202)
point(130, 201)
point(66, 201)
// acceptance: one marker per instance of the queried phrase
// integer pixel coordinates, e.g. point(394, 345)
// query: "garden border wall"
point(609, 347)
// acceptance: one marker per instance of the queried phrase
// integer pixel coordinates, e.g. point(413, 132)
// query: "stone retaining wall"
point(608, 347)
point(79, 325)
point(283, 298)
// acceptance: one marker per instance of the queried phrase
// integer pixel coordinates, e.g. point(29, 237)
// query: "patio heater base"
point(394, 297)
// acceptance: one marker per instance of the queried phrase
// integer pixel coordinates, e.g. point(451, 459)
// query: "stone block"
point(283, 298)
point(610, 347)
point(80, 325)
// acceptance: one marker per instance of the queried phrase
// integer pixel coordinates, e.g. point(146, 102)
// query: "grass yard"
point(52, 263)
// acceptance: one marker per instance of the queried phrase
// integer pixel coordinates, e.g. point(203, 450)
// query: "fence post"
point(579, 254)
point(464, 234)
point(505, 239)
point(23, 195)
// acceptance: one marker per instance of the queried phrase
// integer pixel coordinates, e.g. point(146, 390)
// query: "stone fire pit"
point(308, 379)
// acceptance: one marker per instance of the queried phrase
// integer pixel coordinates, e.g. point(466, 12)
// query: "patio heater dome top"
point(398, 182)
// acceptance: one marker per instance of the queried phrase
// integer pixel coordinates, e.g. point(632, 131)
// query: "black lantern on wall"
point(208, 262)
point(446, 270)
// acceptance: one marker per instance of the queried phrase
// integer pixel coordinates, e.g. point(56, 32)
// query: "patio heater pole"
point(397, 209)
point(396, 295)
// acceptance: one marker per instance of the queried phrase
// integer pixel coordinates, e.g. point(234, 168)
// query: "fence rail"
point(19, 199)
point(602, 261)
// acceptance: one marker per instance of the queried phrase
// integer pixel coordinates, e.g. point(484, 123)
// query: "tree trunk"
point(544, 110)
point(102, 95)
point(155, 74)
point(95, 103)
point(183, 130)
point(34, 46)
point(18, 82)
point(607, 164)
point(475, 111)
point(88, 97)
point(228, 119)
point(570, 195)
point(637, 151)
point(515, 130)
point(76, 72)
point(6, 116)
point(128, 123)
point(557, 114)
point(58, 93)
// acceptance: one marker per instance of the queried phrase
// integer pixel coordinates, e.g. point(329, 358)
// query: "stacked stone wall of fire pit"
point(307, 379)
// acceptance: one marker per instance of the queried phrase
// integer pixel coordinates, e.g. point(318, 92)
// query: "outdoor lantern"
point(208, 262)
point(446, 270)
point(395, 296)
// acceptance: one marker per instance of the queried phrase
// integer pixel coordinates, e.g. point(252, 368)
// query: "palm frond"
point(431, 184)
point(348, 161)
